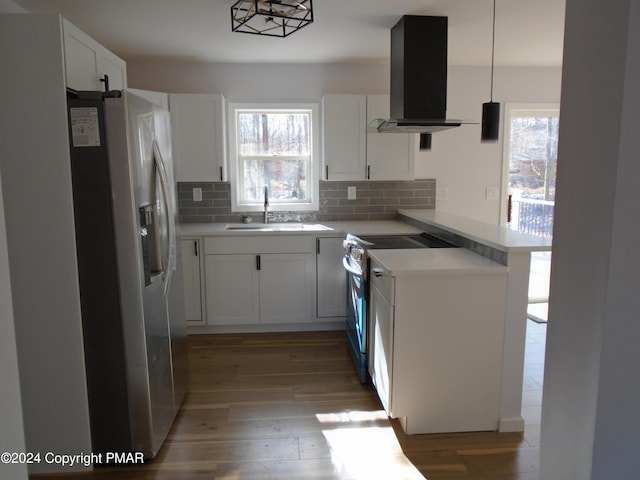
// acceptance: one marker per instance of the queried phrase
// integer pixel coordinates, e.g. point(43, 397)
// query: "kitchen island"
point(436, 338)
point(512, 249)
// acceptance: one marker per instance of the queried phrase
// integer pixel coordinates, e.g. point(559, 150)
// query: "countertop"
point(399, 262)
point(328, 229)
point(500, 238)
point(432, 261)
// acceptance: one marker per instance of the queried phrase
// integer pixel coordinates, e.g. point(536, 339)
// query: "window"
point(274, 147)
point(531, 154)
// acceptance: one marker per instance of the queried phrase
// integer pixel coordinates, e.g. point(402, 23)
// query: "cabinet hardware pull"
point(258, 265)
point(318, 246)
point(326, 169)
point(105, 80)
point(195, 247)
point(377, 272)
point(368, 172)
point(221, 174)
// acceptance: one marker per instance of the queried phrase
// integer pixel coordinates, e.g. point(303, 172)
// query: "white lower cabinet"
point(436, 349)
point(381, 341)
point(233, 294)
point(331, 293)
point(285, 288)
point(272, 286)
point(191, 256)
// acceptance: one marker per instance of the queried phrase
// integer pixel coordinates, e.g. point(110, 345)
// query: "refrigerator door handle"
point(164, 182)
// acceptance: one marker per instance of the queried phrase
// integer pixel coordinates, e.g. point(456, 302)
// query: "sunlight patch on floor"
point(365, 453)
point(351, 416)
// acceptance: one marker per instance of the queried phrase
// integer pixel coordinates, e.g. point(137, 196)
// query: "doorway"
point(529, 172)
point(529, 185)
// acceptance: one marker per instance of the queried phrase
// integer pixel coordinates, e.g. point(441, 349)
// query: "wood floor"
point(289, 406)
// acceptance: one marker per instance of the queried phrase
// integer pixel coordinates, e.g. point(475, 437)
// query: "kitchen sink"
point(276, 227)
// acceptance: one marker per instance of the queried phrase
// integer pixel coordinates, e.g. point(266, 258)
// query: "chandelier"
point(274, 18)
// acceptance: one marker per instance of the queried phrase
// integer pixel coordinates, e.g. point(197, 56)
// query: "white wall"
point(590, 419)
point(11, 425)
point(463, 165)
point(458, 161)
point(36, 184)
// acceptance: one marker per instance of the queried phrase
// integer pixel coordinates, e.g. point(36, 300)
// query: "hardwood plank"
point(289, 406)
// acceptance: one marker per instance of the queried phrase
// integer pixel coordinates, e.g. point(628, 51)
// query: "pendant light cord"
point(493, 47)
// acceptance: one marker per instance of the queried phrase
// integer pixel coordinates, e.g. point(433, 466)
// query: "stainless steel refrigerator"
point(131, 290)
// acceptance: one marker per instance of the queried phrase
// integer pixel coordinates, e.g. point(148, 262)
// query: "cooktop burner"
point(423, 240)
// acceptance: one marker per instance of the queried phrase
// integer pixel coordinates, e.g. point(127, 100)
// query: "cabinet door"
point(390, 156)
point(198, 129)
point(86, 62)
point(114, 67)
point(286, 288)
point(344, 144)
point(192, 281)
point(381, 346)
point(232, 289)
point(331, 300)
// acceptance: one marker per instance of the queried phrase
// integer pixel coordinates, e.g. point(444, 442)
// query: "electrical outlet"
point(197, 194)
point(442, 193)
point(493, 193)
point(351, 193)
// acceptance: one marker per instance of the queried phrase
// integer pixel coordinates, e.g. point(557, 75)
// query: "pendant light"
point(425, 142)
point(491, 109)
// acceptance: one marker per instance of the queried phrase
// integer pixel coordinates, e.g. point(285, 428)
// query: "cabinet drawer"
point(259, 244)
point(383, 281)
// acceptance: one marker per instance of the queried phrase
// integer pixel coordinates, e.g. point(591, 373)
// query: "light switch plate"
point(493, 193)
point(442, 193)
point(351, 193)
point(197, 194)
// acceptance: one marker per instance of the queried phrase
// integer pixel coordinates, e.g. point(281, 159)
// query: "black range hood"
point(418, 77)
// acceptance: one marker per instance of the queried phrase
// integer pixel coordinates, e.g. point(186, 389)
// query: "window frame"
point(236, 180)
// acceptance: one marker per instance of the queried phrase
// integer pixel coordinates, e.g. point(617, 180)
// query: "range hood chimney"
point(418, 77)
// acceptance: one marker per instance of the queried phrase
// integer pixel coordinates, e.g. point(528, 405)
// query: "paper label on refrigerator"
point(85, 129)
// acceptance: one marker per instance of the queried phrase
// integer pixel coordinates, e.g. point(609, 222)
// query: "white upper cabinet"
point(159, 98)
point(389, 155)
point(352, 153)
point(86, 62)
point(345, 140)
point(198, 126)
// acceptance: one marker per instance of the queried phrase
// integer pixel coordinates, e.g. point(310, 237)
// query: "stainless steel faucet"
point(266, 204)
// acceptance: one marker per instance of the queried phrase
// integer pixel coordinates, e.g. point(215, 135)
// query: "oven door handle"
point(349, 268)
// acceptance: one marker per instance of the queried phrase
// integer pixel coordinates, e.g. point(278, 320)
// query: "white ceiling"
point(528, 32)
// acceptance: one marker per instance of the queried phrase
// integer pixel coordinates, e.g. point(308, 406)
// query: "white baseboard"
point(511, 424)
point(267, 328)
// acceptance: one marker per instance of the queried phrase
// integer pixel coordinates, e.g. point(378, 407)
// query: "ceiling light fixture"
point(491, 109)
point(273, 18)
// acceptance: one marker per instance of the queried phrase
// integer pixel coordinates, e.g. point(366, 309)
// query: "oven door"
point(357, 317)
